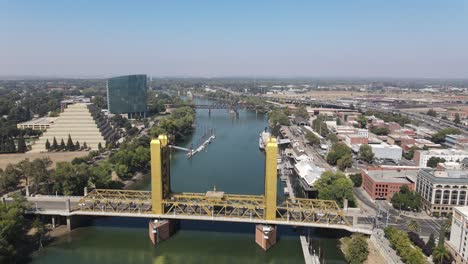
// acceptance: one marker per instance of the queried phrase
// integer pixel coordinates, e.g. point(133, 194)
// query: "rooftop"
point(462, 210)
point(39, 121)
point(308, 171)
point(392, 176)
point(444, 152)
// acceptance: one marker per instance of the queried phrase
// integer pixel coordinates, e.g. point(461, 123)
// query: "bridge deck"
point(212, 205)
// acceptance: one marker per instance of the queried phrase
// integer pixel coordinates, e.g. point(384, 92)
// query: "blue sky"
point(348, 38)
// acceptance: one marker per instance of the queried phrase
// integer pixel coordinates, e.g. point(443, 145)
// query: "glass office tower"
point(127, 95)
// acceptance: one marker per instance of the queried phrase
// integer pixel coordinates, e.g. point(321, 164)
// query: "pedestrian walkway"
point(383, 246)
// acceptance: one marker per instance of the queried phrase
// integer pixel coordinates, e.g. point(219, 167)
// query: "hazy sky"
point(347, 38)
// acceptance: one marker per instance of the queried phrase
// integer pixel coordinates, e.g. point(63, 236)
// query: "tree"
point(55, 145)
point(335, 186)
point(406, 199)
point(41, 230)
point(365, 153)
point(69, 179)
point(47, 144)
point(403, 246)
point(356, 249)
point(338, 151)
point(362, 120)
point(99, 146)
point(410, 153)
point(431, 112)
point(9, 179)
point(22, 145)
point(439, 137)
point(12, 235)
point(430, 245)
point(439, 254)
point(457, 118)
point(62, 145)
point(380, 131)
point(77, 145)
point(99, 101)
point(70, 146)
point(433, 161)
point(332, 138)
point(277, 118)
point(85, 146)
point(356, 179)
point(312, 138)
point(345, 162)
point(302, 112)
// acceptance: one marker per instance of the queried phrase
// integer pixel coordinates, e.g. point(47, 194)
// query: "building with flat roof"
point(42, 123)
point(441, 190)
point(457, 244)
point(422, 156)
point(381, 183)
point(385, 151)
point(127, 95)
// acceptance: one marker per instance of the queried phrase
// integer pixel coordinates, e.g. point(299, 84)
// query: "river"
point(233, 164)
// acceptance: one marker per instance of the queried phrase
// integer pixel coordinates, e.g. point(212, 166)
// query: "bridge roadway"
point(89, 206)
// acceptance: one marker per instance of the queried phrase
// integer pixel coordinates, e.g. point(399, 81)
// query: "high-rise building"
point(127, 95)
point(458, 235)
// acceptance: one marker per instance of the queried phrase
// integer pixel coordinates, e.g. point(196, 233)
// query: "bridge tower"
point(271, 180)
point(265, 235)
point(160, 173)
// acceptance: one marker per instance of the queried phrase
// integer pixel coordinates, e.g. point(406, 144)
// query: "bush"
point(356, 179)
point(355, 249)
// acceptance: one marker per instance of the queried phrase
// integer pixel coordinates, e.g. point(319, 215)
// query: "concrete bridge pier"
point(160, 230)
point(265, 236)
point(77, 221)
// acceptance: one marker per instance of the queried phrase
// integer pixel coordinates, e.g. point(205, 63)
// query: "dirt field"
point(6, 159)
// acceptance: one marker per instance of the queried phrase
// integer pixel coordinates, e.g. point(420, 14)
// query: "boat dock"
point(192, 152)
point(308, 257)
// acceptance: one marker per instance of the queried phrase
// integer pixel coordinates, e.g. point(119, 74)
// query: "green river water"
point(232, 163)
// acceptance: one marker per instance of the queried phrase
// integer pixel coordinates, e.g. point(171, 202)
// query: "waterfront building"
point(457, 244)
point(307, 173)
point(382, 183)
point(127, 95)
point(84, 123)
point(422, 156)
point(441, 190)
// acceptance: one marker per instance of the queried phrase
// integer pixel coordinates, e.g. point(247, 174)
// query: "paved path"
point(383, 246)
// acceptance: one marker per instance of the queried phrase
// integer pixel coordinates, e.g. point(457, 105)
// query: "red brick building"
point(382, 183)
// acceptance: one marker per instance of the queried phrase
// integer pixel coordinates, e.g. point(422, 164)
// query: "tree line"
point(69, 146)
